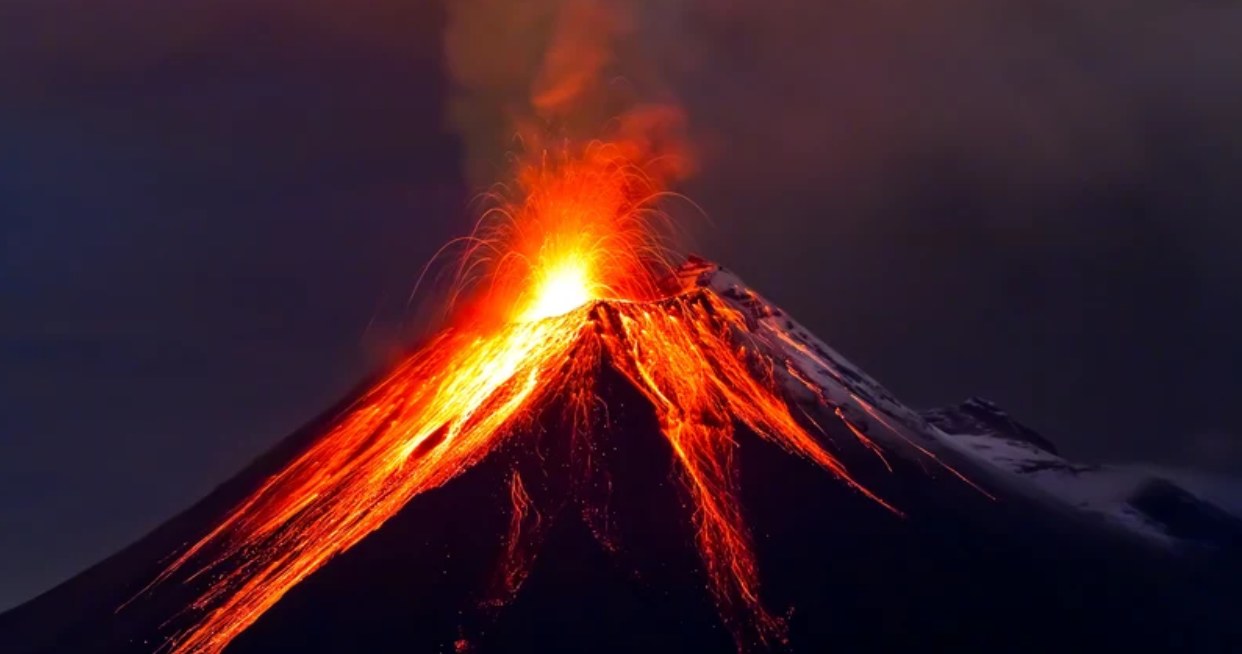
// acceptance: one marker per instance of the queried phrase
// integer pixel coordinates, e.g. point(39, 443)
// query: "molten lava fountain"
point(568, 277)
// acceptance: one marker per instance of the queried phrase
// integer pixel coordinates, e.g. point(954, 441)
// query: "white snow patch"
point(1103, 491)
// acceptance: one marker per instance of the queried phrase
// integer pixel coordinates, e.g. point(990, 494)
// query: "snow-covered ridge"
point(1142, 499)
point(1153, 504)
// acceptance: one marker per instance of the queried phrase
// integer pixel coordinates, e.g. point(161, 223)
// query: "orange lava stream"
point(525, 528)
point(870, 410)
point(685, 358)
point(436, 416)
point(576, 290)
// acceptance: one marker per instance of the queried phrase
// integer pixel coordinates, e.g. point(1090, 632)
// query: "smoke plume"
point(528, 73)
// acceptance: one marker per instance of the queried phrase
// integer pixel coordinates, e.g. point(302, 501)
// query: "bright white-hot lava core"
point(561, 290)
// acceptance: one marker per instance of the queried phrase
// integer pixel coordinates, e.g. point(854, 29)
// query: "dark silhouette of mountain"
point(1022, 563)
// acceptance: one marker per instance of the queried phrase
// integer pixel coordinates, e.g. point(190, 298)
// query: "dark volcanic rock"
point(979, 416)
point(1186, 516)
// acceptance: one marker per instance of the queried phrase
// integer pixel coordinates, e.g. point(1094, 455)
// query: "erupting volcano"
point(581, 350)
point(608, 445)
point(569, 279)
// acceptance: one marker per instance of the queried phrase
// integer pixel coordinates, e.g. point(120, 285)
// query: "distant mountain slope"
point(1140, 499)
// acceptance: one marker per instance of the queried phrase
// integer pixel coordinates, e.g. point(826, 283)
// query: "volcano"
point(612, 448)
point(593, 524)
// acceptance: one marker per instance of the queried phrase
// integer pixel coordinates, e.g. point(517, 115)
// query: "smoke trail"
point(524, 72)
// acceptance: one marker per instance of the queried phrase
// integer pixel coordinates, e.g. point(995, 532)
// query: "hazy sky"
point(212, 214)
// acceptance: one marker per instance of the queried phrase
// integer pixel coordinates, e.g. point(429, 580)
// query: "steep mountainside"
point(999, 543)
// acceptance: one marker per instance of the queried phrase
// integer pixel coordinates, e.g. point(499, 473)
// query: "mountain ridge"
point(961, 501)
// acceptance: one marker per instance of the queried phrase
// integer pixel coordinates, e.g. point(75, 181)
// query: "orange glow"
point(579, 226)
point(573, 277)
point(525, 528)
point(562, 289)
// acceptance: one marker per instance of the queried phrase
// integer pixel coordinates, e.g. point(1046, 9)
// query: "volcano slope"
point(551, 543)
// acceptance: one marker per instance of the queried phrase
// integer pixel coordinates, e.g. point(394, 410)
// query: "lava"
point(565, 278)
point(526, 524)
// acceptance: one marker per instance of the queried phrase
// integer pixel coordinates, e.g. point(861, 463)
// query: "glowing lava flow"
point(572, 286)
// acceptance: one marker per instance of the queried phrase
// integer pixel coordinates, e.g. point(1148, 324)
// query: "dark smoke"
point(549, 70)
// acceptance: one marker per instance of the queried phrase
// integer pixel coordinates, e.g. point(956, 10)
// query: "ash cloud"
point(573, 69)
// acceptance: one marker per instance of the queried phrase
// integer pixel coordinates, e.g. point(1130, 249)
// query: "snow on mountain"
point(1098, 490)
point(963, 570)
point(1168, 507)
point(985, 443)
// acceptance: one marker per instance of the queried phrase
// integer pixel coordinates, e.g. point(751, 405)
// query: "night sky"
point(212, 215)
